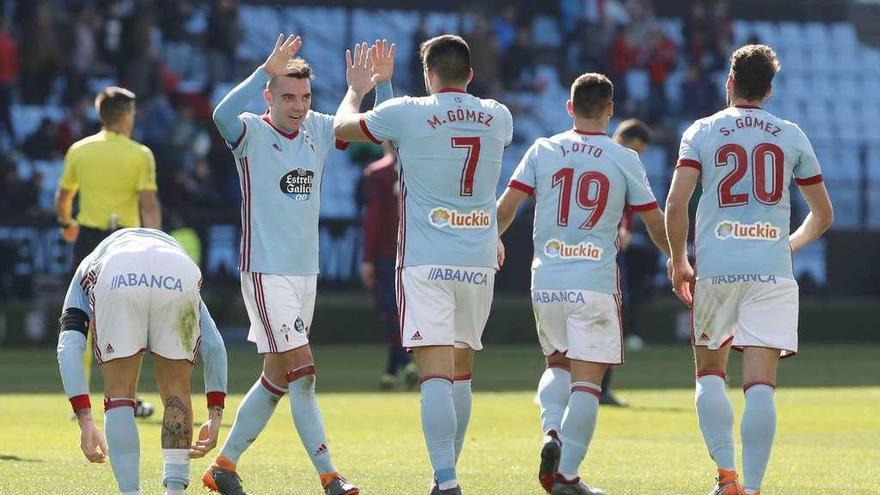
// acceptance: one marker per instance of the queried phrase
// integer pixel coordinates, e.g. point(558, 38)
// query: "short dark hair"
point(590, 93)
point(112, 103)
point(448, 56)
point(296, 68)
point(753, 68)
point(631, 129)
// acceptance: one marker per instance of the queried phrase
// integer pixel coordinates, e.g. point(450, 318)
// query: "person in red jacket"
point(381, 194)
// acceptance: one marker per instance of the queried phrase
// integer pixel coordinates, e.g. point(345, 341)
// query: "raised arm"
point(214, 362)
point(226, 115)
point(369, 66)
point(684, 180)
point(821, 216)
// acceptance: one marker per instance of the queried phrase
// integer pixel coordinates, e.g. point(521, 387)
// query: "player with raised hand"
point(280, 159)
point(139, 290)
point(744, 294)
point(450, 145)
point(582, 181)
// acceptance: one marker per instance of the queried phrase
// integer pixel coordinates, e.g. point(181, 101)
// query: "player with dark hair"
point(450, 145)
point(743, 294)
point(582, 181)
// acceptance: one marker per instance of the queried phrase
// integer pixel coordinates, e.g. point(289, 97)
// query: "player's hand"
point(683, 282)
point(358, 69)
point(208, 434)
point(285, 49)
point(623, 238)
point(383, 61)
point(71, 232)
point(500, 253)
point(368, 274)
point(669, 269)
point(91, 440)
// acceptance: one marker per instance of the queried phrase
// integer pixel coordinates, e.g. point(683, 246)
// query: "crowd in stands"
point(174, 53)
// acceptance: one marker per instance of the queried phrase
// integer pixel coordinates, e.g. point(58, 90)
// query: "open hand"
point(208, 435)
point(359, 69)
point(683, 282)
point(383, 61)
point(276, 64)
point(92, 442)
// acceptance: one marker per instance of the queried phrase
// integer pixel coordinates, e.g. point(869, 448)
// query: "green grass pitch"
point(827, 438)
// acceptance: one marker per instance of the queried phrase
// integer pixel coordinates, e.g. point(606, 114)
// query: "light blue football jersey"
point(747, 158)
point(133, 239)
point(280, 175)
point(581, 182)
point(450, 146)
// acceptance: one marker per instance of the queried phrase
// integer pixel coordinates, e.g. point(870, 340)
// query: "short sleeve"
point(508, 130)
point(385, 122)
point(806, 169)
point(689, 150)
point(324, 131)
point(76, 296)
point(639, 196)
point(524, 178)
point(147, 180)
point(68, 175)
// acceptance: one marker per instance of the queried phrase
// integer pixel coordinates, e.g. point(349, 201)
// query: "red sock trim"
point(462, 378)
point(589, 390)
point(425, 378)
point(216, 399)
point(701, 374)
point(294, 375)
point(271, 387)
point(113, 404)
point(80, 402)
point(752, 384)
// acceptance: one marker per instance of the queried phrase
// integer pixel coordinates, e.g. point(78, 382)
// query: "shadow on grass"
point(499, 368)
point(15, 458)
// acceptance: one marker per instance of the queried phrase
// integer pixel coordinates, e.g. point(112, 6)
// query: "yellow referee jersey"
point(109, 170)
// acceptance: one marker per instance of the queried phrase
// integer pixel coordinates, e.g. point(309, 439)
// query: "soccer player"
point(582, 180)
point(450, 145)
point(138, 290)
point(280, 157)
point(744, 294)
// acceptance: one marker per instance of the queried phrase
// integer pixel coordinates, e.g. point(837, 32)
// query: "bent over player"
point(450, 145)
point(745, 294)
point(138, 290)
point(280, 157)
point(582, 180)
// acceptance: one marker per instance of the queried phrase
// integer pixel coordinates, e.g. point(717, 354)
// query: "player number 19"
point(591, 195)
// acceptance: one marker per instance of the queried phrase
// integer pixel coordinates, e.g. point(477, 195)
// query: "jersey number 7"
point(472, 145)
point(591, 195)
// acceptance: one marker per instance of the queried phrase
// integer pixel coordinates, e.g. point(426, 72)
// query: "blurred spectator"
point(222, 39)
point(505, 29)
point(723, 42)
point(76, 124)
point(589, 48)
point(484, 59)
point(115, 14)
point(518, 70)
point(10, 66)
point(699, 96)
point(416, 78)
point(84, 54)
point(43, 144)
point(662, 60)
point(622, 58)
point(40, 56)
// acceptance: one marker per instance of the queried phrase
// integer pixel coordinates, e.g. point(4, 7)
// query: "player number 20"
point(591, 195)
point(759, 163)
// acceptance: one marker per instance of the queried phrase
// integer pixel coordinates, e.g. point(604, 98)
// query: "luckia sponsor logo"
point(558, 249)
point(758, 231)
point(447, 217)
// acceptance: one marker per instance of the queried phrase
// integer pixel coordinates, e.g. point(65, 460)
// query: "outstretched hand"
point(208, 434)
point(383, 61)
point(359, 69)
point(92, 441)
point(276, 64)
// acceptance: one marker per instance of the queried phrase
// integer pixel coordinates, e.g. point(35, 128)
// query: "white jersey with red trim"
point(581, 182)
point(747, 158)
point(280, 175)
point(450, 146)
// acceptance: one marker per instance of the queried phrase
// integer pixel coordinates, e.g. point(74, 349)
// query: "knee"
point(558, 360)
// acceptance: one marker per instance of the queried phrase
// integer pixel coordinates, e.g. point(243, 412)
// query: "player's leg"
point(386, 304)
point(462, 394)
point(120, 377)
point(173, 379)
point(758, 426)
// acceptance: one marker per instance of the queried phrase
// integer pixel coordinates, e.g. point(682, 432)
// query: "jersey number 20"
point(591, 195)
point(760, 155)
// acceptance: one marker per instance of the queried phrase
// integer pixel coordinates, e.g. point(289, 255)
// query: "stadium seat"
point(256, 43)
point(873, 204)
point(637, 84)
point(545, 31)
point(847, 204)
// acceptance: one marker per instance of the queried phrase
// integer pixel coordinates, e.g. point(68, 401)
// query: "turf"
point(828, 406)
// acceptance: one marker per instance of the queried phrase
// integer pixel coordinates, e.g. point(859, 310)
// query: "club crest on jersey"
point(454, 219)
point(758, 231)
point(554, 248)
point(297, 184)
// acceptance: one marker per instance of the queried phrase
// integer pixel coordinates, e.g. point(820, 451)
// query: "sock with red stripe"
point(462, 398)
point(307, 417)
point(253, 413)
point(757, 429)
point(715, 417)
point(578, 425)
point(439, 427)
point(553, 392)
point(124, 444)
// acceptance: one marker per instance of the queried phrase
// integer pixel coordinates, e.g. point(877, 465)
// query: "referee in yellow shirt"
point(114, 176)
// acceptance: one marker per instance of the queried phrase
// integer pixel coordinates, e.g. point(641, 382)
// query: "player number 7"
point(472, 145)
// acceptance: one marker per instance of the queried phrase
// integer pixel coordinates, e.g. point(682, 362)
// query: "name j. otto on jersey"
point(447, 217)
point(554, 248)
point(758, 231)
point(297, 184)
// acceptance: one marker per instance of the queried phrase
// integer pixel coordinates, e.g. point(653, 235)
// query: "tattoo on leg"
point(176, 425)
